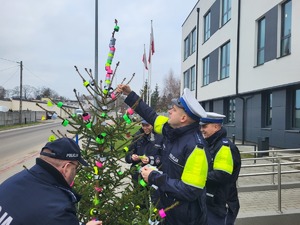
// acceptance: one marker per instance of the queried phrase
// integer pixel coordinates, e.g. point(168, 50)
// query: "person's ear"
point(65, 169)
point(183, 117)
point(216, 126)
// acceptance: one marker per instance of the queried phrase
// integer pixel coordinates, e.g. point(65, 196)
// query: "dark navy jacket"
point(221, 186)
point(178, 145)
point(38, 196)
point(144, 144)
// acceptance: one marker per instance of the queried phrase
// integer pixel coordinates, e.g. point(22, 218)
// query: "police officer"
point(181, 181)
point(145, 147)
point(42, 194)
point(222, 197)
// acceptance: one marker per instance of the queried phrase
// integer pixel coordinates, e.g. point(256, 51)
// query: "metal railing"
point(276, 160)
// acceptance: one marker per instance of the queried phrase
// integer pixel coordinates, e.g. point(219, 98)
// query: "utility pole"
point(96, 46)
point(21, 84)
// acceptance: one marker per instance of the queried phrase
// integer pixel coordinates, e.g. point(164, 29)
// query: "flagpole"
point(149, 83)
point(151, 52)
point(144, 73)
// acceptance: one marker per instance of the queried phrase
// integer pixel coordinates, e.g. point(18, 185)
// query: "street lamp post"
point(21, 87)
point(96, 42)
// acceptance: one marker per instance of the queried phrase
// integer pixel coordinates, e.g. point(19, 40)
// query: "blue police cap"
point(144, 122)
point(212, 117)
point(65, 149)
point(190, 105)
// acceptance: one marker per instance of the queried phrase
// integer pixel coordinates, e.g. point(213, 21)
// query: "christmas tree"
point(104, 136)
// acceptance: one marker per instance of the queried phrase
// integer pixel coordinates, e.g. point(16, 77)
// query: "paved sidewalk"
point(258, 203)
point(263, 203)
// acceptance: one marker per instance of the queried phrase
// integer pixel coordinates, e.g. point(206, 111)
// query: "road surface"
point(21, 146)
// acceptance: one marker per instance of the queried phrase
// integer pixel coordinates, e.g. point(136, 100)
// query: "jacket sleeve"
point(141, 108)
point(155, 157)
point(66, 215)
point(192, 182)
point(132, 150)
point(223, 165)
point(218, 176)
point(128, 157)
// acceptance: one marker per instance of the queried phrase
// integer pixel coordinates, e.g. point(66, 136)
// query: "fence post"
point(273, 167)
point(279, 184)
point(255, 154)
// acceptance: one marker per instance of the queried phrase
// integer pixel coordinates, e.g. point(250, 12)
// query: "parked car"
point(78, 112)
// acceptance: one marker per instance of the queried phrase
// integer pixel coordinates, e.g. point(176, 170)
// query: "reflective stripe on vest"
point(223, 160)
point(195, 169)
point(159, 123)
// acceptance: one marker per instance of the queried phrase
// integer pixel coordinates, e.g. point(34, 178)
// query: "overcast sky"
point(51, 36)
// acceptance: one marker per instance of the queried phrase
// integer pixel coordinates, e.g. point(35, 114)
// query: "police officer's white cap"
point(212, 117)
point(190, 105)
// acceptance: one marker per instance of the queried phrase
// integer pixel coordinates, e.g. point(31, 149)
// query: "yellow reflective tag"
point(159, 123)
point(195, 169)
point(223, 160)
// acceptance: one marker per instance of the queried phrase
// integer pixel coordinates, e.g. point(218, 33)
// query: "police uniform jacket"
point(38, 196)
point(178, 145)
point(144, 144)
point(221, 181)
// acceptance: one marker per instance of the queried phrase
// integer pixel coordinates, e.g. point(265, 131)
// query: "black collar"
point(216, 136)
point(54, 172)
point(174, 133)
point(60, 181)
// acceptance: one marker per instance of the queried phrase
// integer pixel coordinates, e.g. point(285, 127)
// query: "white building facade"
point(242, 59)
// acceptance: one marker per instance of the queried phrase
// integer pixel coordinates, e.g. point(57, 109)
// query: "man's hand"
point(135, 157)
point(145, 159)
point(146, 170)
point(94, 222)
point(124, 89)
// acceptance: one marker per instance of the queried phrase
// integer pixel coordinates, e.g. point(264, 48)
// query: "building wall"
point(278, 71)
point(14, 105)
point(278, 134)
point(248, 82)
point(225, 33)
point(11, 118)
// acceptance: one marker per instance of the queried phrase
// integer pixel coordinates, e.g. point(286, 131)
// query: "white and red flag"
point(151, 47)
point(144, 59)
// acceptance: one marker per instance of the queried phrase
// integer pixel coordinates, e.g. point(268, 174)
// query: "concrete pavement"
point(260, 200)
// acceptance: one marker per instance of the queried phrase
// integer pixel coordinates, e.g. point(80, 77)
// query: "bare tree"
point(2, 92)
point(28, 92)
point(15, 92)
point(172, 85)
point(171, 89)
point(46, 92)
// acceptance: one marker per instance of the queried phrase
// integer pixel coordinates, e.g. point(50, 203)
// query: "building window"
point(189, 77)
point(225, 60)
point(229, 109)
point(211, 106)
point(186, 77)
point(194, 40)
point(193, 78)
point(186, 48)
point(206, 71)
point(286, 19)
point(267, 103)
point(190, 44)
point(296, 109)
point(226, 11)
point(261, 41)
point(207, 26)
